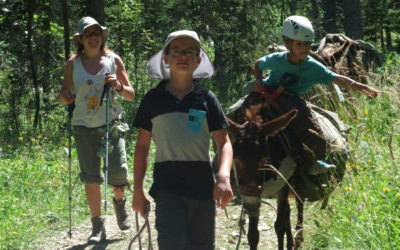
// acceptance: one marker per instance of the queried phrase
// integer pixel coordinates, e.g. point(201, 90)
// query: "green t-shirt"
point(295, 78)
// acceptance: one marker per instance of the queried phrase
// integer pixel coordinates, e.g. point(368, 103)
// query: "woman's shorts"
point(88, 143)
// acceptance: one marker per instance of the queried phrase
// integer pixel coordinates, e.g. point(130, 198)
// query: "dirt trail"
point(227, 233)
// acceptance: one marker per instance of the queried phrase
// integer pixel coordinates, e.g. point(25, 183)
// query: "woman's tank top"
point(88, 89)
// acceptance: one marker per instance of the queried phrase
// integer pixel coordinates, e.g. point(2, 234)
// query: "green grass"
point(364, 210)
point(34, 188)
point(34, 191)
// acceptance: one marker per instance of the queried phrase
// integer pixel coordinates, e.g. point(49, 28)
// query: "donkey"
point(267, 165)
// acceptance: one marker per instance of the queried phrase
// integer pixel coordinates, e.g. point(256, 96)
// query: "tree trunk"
point(329, 23)
point(95, 9)
point(292, 6)
point(381, 36)
point(389, 44)
point(315, 18)
point(244, 21)
point(219, 62)
point(314, 10)
point(387, 26)
point(352, 19)
point(31, 10)
point(46, 56)
point(67, 45)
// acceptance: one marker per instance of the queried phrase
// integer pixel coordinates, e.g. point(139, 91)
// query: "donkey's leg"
point(282, 223)
point(253, 235)
point(253, 210)
point(299, 226)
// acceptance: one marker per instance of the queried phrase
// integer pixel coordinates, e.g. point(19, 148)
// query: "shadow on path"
point(100, 246)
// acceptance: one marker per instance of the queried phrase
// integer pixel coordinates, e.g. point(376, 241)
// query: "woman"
point(85, 76)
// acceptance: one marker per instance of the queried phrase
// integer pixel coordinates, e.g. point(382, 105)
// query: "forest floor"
point(227, 232)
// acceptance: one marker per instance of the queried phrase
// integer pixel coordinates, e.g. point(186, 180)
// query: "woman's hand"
point(113, 82)
point(66, 96)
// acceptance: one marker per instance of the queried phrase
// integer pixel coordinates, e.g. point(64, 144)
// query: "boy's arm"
point(222, 189)
point(140, 200)
point(348, 83)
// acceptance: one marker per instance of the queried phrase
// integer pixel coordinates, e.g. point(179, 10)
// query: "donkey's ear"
point(273, 127)
point(234, 128)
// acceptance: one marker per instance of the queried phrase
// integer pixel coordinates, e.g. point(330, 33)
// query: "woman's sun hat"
point(86, 22)
point(157, 69)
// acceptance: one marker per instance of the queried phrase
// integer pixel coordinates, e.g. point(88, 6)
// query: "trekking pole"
point(106, 91)
point(69, 128)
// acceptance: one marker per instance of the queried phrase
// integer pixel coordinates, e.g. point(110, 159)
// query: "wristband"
point(122, 87)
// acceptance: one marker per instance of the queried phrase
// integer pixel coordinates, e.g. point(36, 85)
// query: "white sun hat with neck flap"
point(157, 69)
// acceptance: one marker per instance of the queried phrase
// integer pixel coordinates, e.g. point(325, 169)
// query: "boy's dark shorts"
point(88, 144)
point(184, 223)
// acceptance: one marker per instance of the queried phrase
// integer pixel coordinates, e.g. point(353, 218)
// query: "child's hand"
point(259, 87)
point(345, 82)
point(222, 191)
point(371, 92)
point(140, 203)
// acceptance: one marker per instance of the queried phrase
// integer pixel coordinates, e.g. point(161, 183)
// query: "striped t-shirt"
point(181, 130)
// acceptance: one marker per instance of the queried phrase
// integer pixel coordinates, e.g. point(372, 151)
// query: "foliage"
point(380, 21)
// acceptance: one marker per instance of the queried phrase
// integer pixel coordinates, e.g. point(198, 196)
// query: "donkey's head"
point(250, 150)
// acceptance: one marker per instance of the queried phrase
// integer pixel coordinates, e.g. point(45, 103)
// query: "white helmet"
point(298, 28)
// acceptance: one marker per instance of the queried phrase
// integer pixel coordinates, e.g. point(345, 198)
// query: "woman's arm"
point(66, 95)
point(121, 81)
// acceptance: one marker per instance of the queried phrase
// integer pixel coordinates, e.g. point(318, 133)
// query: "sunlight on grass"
point(34, 188)
point(363, 211)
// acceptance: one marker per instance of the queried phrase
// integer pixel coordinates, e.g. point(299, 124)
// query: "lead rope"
point(139, 231)
point(241, 223)
point(242, 220)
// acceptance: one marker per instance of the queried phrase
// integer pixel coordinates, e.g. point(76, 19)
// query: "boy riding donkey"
point(292, 74)
point(179, 115)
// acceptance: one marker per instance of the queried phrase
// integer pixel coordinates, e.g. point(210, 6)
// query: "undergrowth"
point(363, 212)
